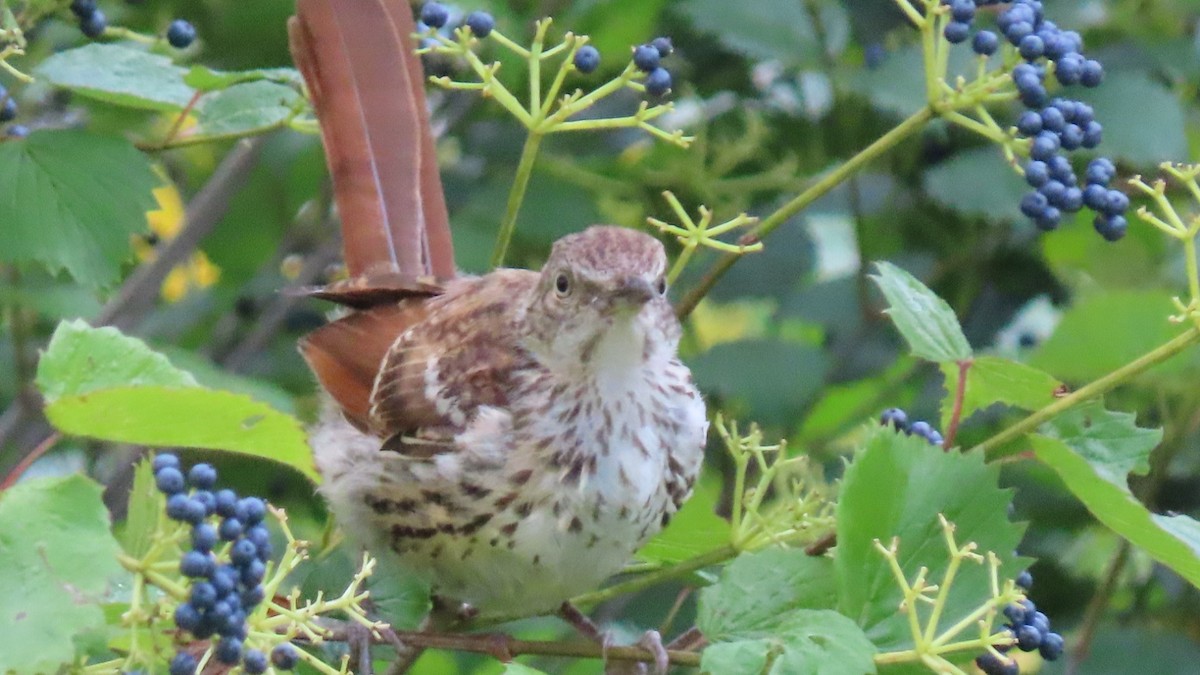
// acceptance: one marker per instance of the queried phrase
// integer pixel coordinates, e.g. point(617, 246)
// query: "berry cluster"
point(222, 593)
point(646, 57)
point(898, 420)
point(92, 21)
point(436, 15)
point(1053, 126)
point(1031, 631)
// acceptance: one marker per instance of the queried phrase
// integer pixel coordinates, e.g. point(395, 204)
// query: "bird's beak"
point(635, 291)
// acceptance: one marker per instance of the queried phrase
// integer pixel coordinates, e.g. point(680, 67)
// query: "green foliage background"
point(777, 92)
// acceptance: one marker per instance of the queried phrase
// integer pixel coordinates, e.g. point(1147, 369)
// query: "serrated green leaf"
point(144, 508)
point(81, 359)
point(71, 201)
point(1173, 541)
point(925, 320)
point(695, 529)
point(101, 384)
point(805, 642)
point(120, 74)
point(58, 556)
point(245, 108)
point(204, 78)
point(896, 487)
point(1109, 440)
point(991, 380)
point(757, 589)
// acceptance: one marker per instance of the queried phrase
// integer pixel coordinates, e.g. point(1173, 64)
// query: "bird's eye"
point(562, 284)
point(661, 286)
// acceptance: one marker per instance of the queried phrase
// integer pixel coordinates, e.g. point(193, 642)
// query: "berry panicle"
point(1028, 630)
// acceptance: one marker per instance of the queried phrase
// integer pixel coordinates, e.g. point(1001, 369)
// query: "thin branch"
point(960, 393)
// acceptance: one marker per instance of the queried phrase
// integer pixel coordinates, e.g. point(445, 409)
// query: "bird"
point(511, 438)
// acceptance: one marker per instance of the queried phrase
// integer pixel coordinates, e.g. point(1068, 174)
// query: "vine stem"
point(1089, 391)
point(516, 196)
point(960, 394)
point(883, 144)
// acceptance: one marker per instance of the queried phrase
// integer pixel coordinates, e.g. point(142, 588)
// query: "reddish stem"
point(960, 392)
point(41, 449)
point(187, 109)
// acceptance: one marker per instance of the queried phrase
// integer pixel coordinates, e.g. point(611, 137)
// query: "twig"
point(1095, 608)
point(689, 640)
point(960, 393)
point(206, 209)
point(29, 459)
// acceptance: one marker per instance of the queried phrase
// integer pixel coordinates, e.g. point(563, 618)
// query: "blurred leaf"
point(773, 379)
point(206, 79)
point(244, 108)
point(978, 182)
point(52, 300)
point(925, 320)
point(896, 487)
point(1143, 120)
point(897, 85)
point(991, 380)
point(518, 669)
point(145, 507)
point(58, 557)
point(399, 595)
point(613, 25)
point(101, 384)
point(119, 74)
point(695, 529)
point(777, 30)
point(1125, 648)
point(1104, 331)
point(72, 201)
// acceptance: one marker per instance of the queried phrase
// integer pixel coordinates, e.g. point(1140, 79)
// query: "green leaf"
point(925, 320)
point(119, 74)
point(1110, 441)
point(980, 183)
point(897, 487)
point(773, 378)
point(399, 595)
point(1144, 121)
point(143, 512)
point(757, 589)
point(777, 30)
point(101, 384)
point(58, 557)
point(245, 108)
point(991, 380)
point(804, 642)
point(518, 669)
point(1173, 541)
point(72, 200)
point(1131, 322)
point(695, 529)
point(204, 78)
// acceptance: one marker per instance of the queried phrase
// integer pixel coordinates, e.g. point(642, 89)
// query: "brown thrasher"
point(513, 437)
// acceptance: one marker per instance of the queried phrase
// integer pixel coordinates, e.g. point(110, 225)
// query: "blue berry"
point(645, 57)
point(206, 500)
point(229, 649)
point(9, 109)
point(1071, 137)
point(1115, 202)
point(1054, 191)
point(1092, 134)
point(1036, 173)
point(1031, 47)
point(202, 477)
point(895, 418)
point(242, 553)
point(203, 595)
point(1056, 46)
point(1060, 170)
point(196, 564)
point(259, 536)
point(234, 625)
point(1048, 219)
point(1039, 621)
point(1018, 31)
point(1100, 171)
point(1028, 638)
point(251, 510)
point(1044, 145)
point(284, 656)
point(227, 501)
point(231, 529)
point(1092, 74)
point(481, 24)
point(254, 662)
point(181, 34)
point(990, 664)
point(93, 25)
point(83, 8)
point(1073, 200)
point(587, 59)
point(179, 507)
point(1015, 614)
point(920, 428)
point(204, 537)
point(658, 82)
point(985, 43)
point(957, 32)
point(1029, 124)
point(663, 45)
point(434, 15)
point(1053, 119)
point(934, 437)
point(1069, 69)
point(17, 131)
point(252, 596)
point(963, 11)
point(1033, 204)
point(1095, 196)
point(1111, 227)
point(224, 580)
point(253, 572)
point(1032, 96)
point(1051, 647)
point(183, 664)
point(169, 481)
point(186, 617)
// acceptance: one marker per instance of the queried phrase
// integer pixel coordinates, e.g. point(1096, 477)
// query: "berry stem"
point(960, 393)
point(515, 196)
point(991, 447)
point(882, 145)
